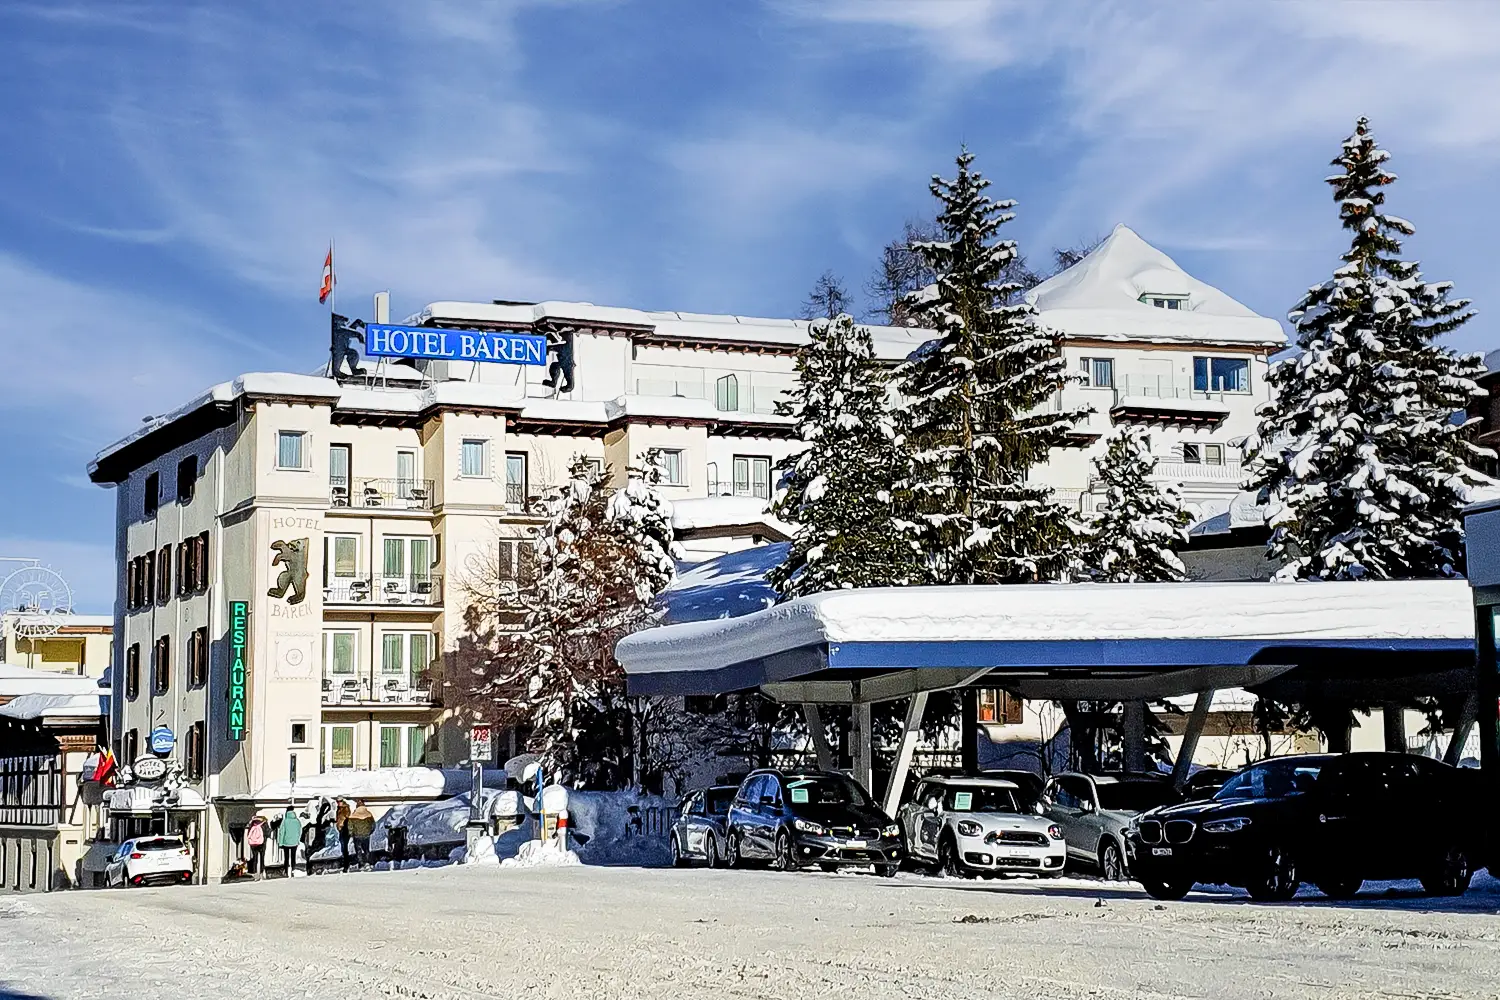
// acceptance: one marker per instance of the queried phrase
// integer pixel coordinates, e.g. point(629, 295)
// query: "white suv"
point(964, 825)
point(150, 859)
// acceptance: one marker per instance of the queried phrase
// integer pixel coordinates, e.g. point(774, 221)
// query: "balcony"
point(359, 690)
point(1166, 399)
point(385, 494)
point(730, 392)
point(399, 591)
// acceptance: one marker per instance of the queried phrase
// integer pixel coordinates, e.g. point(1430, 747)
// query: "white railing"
point(751, 392)
point(382, 688)
point(1165, 387)
point(1229, 471)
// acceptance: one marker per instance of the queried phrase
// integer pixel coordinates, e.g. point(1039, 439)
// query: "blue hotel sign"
point(505, 347)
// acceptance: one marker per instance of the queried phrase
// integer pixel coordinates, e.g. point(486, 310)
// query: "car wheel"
point(1453, 875)
point(887, 871)
point(785, 860)
point(1340, 888)
point(948, 862)
point(732, 850)
point(711, 850)
point(677, 859)
point(1276, 881)
point(1111, 861)
point(1162, 889)
point(828, 866)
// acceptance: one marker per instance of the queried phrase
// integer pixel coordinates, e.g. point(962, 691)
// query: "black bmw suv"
point(809, 817)
point(1333, 820)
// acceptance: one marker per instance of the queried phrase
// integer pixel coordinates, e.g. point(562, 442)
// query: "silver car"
point(699, 830)
point(1094, 810)
point(965, 825)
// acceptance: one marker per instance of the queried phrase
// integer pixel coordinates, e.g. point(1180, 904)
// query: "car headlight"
point(807, 826)
point(969, 828)
point(1055, 832)
point(1232, 825)
point(891, 831)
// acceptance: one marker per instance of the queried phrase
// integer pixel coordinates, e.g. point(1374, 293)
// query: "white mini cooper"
point(964, 825)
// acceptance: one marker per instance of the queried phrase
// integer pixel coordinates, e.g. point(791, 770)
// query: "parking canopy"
point(1093, 636)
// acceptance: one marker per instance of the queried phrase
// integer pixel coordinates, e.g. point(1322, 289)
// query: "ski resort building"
point(292, 549)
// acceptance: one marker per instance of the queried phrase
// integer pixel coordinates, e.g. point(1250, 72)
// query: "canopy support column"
point(818, 736)
point(863, 743)
point(914, 712)
point(968, 730)
point(1466, 721)
point(1196, 719)
point(1394, 718)
point(1133, 735)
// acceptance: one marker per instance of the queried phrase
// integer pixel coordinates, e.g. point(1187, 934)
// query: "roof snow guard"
point(1084, 630)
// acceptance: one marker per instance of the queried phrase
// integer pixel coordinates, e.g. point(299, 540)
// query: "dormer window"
point(1165, 301)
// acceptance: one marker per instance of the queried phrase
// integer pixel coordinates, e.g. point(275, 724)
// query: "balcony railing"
point(1227, 471)
point(381, 689)
point(730, 392)
point(418, 591)
point(389, 494)
point(1163, 387)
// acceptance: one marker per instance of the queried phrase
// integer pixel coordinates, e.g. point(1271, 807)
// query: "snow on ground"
point(541, 854)
point(603, 933)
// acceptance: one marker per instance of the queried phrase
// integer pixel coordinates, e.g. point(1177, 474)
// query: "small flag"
point(327, 288)
point(104, 771)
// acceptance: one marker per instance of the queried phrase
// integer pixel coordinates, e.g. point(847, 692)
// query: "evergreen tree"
point(1141, 525)
point(828, 299)
point(838, 487)
point(1359, 455)
point(974, 412)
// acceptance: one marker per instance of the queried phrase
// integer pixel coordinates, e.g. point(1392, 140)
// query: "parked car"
point(1028, 785)
point(809, 817)
point(965, 825)
point(1332, 820)
point(699, 830)
point(150, 859)
point(1094, 809)
point(1204, 782)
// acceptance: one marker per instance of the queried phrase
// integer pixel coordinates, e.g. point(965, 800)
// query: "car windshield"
point(1135, 796)
point(825, 790)
point(1272, 780)
point(716, 801)
point(980, 799)
point(159, 844)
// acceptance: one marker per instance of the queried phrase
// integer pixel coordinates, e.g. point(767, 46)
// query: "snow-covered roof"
point(16, 680)
point(383, 783)
point(1100, 298)
point(1050, 624)
point(724, 587)
point(52, 706)
point(703, 513)
point(1244, 512)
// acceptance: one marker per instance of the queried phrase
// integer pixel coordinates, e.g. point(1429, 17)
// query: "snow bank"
point(609, 828)
point(541, 854)
point(382, 783)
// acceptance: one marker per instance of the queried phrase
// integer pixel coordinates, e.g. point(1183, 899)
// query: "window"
point(1192, 454)
point(338, 653)
point(1000, 706)
point(416, 746)
point(1221, 375)
point(198, 657)
point(406, 559)
point(133, 671)
point(184, 568)
point(1213, 454)
point(390, 746)
point(472, 458)
point(148, 580)
point(515, 478)
point(194, 762)
point(406, 655)
point(406, 473)
point(161, 665)
point(152, 500)
point(752, 476)
point(671, 466)
point(299, 734)
point(1166, 301)
point(164, 575)
point(130, 746)
point(340, 457)
point(187, 478)
point(1098, 373)
point(340, 558)
point(727, 393)
point(341, 746)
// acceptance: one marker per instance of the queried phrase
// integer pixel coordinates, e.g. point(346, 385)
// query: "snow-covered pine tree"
point(1135, 536)
point(1359, 455)
point(973, 410)
point(837, 489)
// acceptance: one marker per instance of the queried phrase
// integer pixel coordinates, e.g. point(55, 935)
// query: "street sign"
point(481, 745)
point(162, 740)
point(149, 768)
point(509, 347)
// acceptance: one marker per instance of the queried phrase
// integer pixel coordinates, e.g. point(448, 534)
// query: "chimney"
point(382, 307)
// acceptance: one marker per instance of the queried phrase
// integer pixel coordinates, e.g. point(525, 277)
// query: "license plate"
point(1161, 852)
point(854, 843)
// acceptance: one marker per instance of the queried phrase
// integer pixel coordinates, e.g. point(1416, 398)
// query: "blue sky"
point(172, 172)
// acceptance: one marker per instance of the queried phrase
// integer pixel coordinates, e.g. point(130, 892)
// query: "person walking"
point(255, 837)
point(341, 821)
point(287, 838)
point(361, 826)
point(395, 841)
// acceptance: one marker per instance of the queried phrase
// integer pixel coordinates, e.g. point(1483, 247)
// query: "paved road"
point(622, 932)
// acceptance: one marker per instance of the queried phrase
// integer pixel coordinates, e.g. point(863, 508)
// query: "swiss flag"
point(327, 288)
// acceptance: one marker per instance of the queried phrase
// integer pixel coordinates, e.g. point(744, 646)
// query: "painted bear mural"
point(291, 556)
